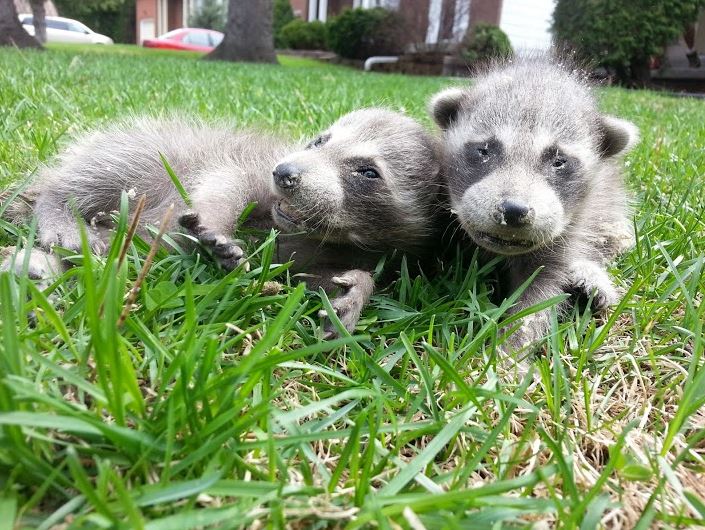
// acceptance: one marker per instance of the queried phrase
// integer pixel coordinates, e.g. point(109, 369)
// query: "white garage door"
point(527, 23)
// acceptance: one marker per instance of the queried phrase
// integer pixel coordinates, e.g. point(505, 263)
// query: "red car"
point(194, 39)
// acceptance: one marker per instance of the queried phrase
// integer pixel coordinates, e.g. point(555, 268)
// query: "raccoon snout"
point(286, 176)
point(513, 213)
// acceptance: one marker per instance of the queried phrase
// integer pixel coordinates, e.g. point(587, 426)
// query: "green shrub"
point(362, 33)
point(283, 14)
point(622, 34)
point(114, 18)
point(484, 42)
point(210, 15)
point(300, 35)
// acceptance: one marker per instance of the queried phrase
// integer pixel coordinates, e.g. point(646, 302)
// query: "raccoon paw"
point(348, 306)
point(225, 250)
point(70, 239)
point(587, 278)
point(513, 364)
point(41, 266)
point(514, 356)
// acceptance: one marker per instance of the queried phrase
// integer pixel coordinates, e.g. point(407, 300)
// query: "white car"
point(61, 29)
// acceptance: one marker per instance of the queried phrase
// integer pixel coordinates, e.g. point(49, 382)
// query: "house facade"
point(430, 20)
point(527, 23)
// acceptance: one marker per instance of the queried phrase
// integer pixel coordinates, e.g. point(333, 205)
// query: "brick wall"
point(488, 11)
point(145, 17)
point(300, 8)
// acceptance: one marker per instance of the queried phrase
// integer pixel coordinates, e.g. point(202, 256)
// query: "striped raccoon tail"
point(17, 207)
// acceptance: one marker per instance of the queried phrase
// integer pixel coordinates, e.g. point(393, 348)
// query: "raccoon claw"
point(348, 306)
point(190, 220)
point(348, 309)
point(72, 241)
point(228, 253)
point(344, 310)
point(343, 281)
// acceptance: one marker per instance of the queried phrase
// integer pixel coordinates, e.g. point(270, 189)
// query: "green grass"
point(215, 405)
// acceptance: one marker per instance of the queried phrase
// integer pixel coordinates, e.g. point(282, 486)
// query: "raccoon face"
point(519, 167)
point(371, 179)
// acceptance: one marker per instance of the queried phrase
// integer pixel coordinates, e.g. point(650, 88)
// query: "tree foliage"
point(485, 41)
point(622, 34)
point(84, 7)
point(361, 33)
point(114, 18)
point(211, 15)
point(300, 35)
point(283, 14)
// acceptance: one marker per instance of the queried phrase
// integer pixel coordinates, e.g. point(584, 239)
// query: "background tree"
point(39, 20)
point(484, 42)
point(283, 14)
point(211, 15)
point(622, 34)
point(11, 31)
point(248, 33)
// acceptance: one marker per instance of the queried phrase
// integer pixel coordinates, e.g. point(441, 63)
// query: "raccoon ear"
point(445, 105)
point(617, 136)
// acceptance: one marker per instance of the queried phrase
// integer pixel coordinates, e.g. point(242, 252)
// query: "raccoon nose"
point(514, 213)
point(286, 176)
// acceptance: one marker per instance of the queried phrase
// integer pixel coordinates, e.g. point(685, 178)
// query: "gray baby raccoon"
point(534, 173)
point(365, 186)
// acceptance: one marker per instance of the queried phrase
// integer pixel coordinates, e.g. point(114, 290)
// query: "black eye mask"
point(474, 162)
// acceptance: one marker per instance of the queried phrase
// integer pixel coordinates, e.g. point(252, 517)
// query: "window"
point(216, 38)
point(57, 24)
point(78, 28)
point(28, 20)
point(198, 38)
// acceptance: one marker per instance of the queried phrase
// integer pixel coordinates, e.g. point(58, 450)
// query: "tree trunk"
point(248, 33)
point(39, 19)
point(11, 31)
point(640, 73)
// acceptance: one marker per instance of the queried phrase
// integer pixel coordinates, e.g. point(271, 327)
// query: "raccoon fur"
point(366, 185)
point(534, 173)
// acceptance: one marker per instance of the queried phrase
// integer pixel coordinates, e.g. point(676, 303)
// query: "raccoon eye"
point(559, 162)
point(482, 151)
point(368, 172)
point(319, 141)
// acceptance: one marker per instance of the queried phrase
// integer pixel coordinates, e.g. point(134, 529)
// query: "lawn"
point(215, 405)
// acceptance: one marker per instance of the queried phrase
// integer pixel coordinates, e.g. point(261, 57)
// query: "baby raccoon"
point(534, 173)
point(365, 186)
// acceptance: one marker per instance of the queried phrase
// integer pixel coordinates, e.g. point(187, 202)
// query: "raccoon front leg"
point(57, 224)
point(218, 200)
point(585, 277)
point(547, 284)
point(357, 287)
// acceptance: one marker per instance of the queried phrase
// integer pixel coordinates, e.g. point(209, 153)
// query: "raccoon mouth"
point(285, 212)
point(508, 244)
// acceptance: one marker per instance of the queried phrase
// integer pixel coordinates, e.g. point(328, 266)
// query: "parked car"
point(194, 39)
point(61, 29)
